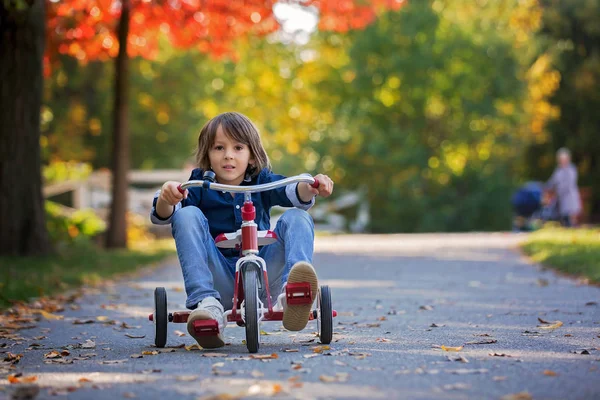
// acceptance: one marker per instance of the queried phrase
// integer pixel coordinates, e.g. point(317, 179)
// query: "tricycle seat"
point(233, 240)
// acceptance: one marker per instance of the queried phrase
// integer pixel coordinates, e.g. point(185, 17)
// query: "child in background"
point(230, 146)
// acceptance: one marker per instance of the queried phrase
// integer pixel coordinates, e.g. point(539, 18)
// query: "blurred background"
point(428, 115)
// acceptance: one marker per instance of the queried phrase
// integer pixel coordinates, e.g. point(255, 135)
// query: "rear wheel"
point(325, 315)
point(161, 317)
point(251, 307)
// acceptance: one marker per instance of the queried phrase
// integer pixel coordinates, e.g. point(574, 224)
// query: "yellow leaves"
point(518, 396)
point(48, 315)
point(549, 325)
point(549, 372)
point(179, 333)
point(445, 348)
point(192, 347)
point(320, 349)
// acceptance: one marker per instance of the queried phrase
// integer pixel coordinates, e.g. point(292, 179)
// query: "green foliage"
point(430, 108)
point(427, 134)
point(59, 171)
point(77, 228)
point(574, 251)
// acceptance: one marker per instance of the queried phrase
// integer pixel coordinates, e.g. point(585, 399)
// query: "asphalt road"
point(403, 302)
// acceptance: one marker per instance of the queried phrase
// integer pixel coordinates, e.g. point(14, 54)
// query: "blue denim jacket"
point(224, 212)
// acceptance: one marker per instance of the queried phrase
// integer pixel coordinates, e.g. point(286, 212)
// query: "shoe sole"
point(295, 317)
point(206, 342)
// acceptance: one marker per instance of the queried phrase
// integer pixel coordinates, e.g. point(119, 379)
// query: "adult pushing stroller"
point(532, 207)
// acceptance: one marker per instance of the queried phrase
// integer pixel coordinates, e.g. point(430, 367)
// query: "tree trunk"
point(117, 229)
point(22, 215)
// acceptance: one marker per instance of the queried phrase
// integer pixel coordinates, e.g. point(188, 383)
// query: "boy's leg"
point(206, 272)
point(207, 276)
point(289, 261)
point(295, 242)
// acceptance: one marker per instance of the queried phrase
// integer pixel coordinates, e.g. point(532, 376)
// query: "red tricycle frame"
point(250, 276)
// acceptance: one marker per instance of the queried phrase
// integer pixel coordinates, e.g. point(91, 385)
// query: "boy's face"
point(229, 159)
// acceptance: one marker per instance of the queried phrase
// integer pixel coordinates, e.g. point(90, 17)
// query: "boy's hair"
point(239, 128)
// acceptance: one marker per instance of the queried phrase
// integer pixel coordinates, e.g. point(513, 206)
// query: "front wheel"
point(160, 317)
point(251, 307)
point(325, 315)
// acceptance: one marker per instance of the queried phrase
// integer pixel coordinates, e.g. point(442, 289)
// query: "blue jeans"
point(207, 272)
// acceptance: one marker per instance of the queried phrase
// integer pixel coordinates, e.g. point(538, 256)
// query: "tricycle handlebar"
point(250, 189)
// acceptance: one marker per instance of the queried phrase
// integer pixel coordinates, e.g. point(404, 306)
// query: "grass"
point(24, 278)
point(573, 251)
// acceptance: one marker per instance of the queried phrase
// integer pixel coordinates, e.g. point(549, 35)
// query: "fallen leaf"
point(485, 341)
point(194, 346)
point(549, 372)
point(179, 333)
point(456, 386)
point(458, 358)
point(52, 354)
point(83, 321)
point(102, 318)
point(290, 350)
point(149, 352)
point(426, 308)
point(436, 325)
point(84, 380)
point(135, 336)
point(89, 344)
point(591, 303)
point(264, 356)
point(499, 355)
point(112, 361)
point(129, 395)
point(136, 356)
point(499, 378)
point(459, 348)
point(582, 351)
point(554, 325)
point(382, 340)
point(517, 396)
point(319, 349)
point(18, 378)
point(49, 316)
point(465, 371)
point(310, 355)
point(186, 378)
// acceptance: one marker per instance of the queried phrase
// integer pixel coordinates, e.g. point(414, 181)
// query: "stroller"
point(532, 206)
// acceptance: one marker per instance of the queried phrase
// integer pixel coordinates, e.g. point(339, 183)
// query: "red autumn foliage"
point(86, 29)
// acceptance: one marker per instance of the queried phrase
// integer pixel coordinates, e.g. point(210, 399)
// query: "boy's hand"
point(170, 195)
point(325, 188)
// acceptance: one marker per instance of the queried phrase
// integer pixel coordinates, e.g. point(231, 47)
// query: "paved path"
point(400, 298)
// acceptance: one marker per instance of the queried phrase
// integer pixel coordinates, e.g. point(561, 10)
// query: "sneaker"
point(281, 302)
point(208, 309)
point(295, 316)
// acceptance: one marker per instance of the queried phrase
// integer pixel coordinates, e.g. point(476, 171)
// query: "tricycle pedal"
point(298, 293)
point(205, 327)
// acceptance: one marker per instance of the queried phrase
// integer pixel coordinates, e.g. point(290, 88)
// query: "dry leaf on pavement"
point(549, 372)
point(550, 325)
point(215, 355)
point(517, 396)
point(179, 333)
point(135, 336)
point(264, 356)
point(445, 348)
